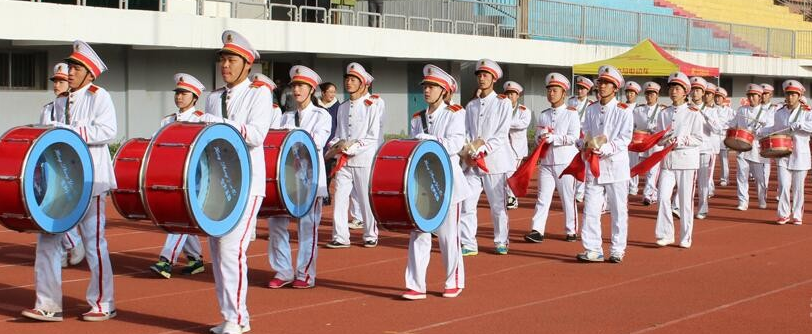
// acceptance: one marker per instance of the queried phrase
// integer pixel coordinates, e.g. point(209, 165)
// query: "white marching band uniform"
point(519, 122)
point(580, 107)
point(634, 157)
point(708, 149)
point(645, 119)
point(752, 119)
point(724, 114)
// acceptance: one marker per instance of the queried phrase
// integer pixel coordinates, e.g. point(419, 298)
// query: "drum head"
point(58, 180)
point(429, 185)
point(299, 173)
point(218, 179)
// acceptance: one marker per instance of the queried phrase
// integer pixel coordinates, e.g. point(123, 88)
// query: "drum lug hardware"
point(162, 187)
point(12, 215)
point(391, 157)
point(129, 159)
point(18, 140)
point(125, 191)
point(271, 146)
point(9, 178)
point(172, 144)
point(270, 179)
point(137, 217)
point(388, 193)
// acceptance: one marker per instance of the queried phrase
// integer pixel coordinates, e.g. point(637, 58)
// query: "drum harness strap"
point(223, 105)
point(423, 121)
point(755, 121)
point(67, 110)
point(654, 114)
point(296, 118)
point(583, 109)
point(797, 113)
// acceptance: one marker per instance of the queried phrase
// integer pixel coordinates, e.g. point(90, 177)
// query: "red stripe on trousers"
point(239, 260)
point(73, 245)
point(574, 206)
point(174, 250)
point(457, 269)
point(98, 254)
point(313, 246)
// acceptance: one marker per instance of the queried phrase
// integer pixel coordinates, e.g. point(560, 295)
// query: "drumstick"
point(788, 130)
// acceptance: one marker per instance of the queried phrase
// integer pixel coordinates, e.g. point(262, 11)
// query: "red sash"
point(342, 160)
point(521, 178)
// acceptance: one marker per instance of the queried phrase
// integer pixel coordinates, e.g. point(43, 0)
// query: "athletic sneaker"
point(646, 202)
point(579, 198)
point(371, 243)
point(534, 236)
point(219, 329)
point(512, 203)
point(590, 256)
point(501, 249)
point(571, 238)
point(335, 245)
point(42, 315)
point(162, 268)
point(413, 295)
point(231, 328)
point(662, 242)
point(796, 221)
point(301, 284)
point(616, 258)
point(723, 183)
point(98, 316)
point(782, 220)
point(742, 207)
point(685, 244)
point(355, 224)
point(701, 215)
point(451, 293)
point(277, 283)
point(469, 252)
point(193, 267)
point(77, 254)
point(675, 213)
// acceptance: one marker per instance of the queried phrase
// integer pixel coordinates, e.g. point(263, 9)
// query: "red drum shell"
point(387, 195)
point(127, 165)
point(272, 203)
point(776, 146)
point(739, 140)
point(11, 192)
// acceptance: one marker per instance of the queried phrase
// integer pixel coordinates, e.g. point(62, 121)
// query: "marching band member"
point(770, 108)
point(702, 100)
point(796, 119)
point(245, 107)
point(632, 90)
point(73, 250)
point(679, 166)
point(718, 130)
point(559, 127)
point(445, 124)
point(752, 118)
point(645, 119)
point(187, 91)
point(519, 122)
point(725, 115)
point(487, 121)
point(607, 133)
point(88, 110)
point(317, 122)
point(580, 101)
point(359, 126)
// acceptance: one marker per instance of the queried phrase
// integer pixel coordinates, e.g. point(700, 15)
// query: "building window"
point(23, 70)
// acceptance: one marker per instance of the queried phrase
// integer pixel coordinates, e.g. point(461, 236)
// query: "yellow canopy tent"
point(649, 60)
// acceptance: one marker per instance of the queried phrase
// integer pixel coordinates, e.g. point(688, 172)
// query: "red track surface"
point(743, 275)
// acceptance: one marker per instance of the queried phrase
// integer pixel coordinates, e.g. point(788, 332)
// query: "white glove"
point(549, 139)
point(425, 136)
point(333, 141)
point(605, 150)
point(579, 143)
point(795, 126)
point(353, 149)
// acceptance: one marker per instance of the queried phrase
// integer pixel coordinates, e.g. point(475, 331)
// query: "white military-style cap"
point(754, 89)
point(259, 80)
point(454, 86)
point(435, 75)
point(358, 71)
point(651, 86)
point(188, 83)
point(84, 55)
point(699, 82)
point(60, 72)
point(793, 86)
point(803, 100)
point(583, 82)
point(679, 78)
point(513, 86)
point(767, 88)
point(489, 66)
point(710, 88)
point(557, 79)
point(721, 92)
point(610, 74)
point(303, 74)
point(235, 43)
point(632, 86)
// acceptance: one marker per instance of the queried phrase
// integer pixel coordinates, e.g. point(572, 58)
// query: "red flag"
point(576, 168)
point(480, 162)
point(649, 142)
point(521, 178)
point(342, 160)
point(652, 160)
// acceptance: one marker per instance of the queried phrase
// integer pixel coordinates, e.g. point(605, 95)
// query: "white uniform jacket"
point(519, 122)
point(753, 119)
point(711, 129)
point(686, 126)
point(800, 159)
point(447, 125)
point(645, 119)
point(615, 122)
point(317, 122)
point(580, 107)
point(188, 115)
point(360, 120)
point(566, 129)
point(489, 118)
point(249, 111)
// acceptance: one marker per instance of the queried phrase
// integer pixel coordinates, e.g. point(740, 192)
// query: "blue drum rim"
point(46, 139)
point(428, 224)
point(209, 133)
point(293, 137)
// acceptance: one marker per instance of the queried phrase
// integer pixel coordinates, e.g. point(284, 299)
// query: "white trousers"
point(448, 238)
point(743, 185)
point(230, 267)
point(510, 191)
point(634, 158)
point(791, 193)
point(352, 181)
point(723, 158)
point(703, 182)
point(71, 239)
point(189, 244)
point(48, 264)
point(652, 177)
point(355, 208)
point(494, 186)
point(711, 185)
point(683, 180)
point(596, 196)
point(279, 246)
point(549, 181)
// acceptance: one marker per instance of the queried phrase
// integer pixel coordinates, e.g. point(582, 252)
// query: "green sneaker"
point(469, 252)
point(162, 267)
point(501, 249)
point(193, 267)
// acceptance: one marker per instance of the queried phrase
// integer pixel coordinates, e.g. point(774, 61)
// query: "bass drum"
point(196, 178)
point(291, 174)
point(127, 167)
point(411, 185)
point(46, 179)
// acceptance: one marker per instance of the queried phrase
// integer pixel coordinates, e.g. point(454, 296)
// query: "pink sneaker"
point(300, 284)
point(451, 293)
point(796, 221)
point(413, 295)
point(782, 220)
point(277, 283)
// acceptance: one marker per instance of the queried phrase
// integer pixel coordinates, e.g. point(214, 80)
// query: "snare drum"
point(46, 179)
point(196, 178)
point(291, 174)
point(776, 146)
point(127, 166)
point(739, 140)
point(411, 185)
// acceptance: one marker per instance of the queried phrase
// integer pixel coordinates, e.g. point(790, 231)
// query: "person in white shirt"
point(711, 129)
point(752, 117)
point(771, 108)
point(607, 133)
point(558, 127)
point(519, 122)
point(487, 122)
point(580, 102)
point(632, 90)
point(645, 119)
point(725, 115)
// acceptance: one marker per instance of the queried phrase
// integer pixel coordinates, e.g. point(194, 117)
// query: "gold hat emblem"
point(296, 71)
point(229, 38)
point(180, 79)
